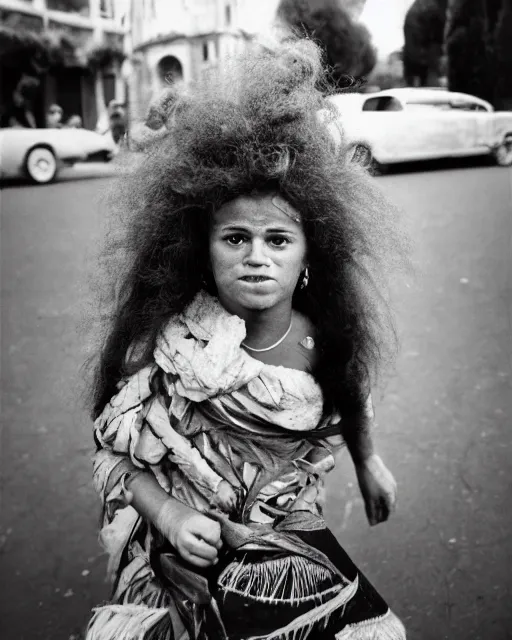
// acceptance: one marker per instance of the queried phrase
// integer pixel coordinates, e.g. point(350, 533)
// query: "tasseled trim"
point(386, 627)
point(129, 622)
point(301, 627)
point(291, 579)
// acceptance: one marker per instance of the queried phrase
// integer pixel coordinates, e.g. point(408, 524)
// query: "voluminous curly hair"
point(254, 128)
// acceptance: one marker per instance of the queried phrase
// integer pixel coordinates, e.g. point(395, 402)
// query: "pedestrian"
point(20, 114)
point(74, 122)
point(54, 117)
point(238, 360)
point(117, 120)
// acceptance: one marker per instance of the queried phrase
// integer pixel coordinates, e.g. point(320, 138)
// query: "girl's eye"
point(235, 239)
point(279, 241)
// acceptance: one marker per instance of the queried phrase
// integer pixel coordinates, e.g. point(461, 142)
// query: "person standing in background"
point(117, 120)
point(54, 117)
point(74, 122)
point(20, 113)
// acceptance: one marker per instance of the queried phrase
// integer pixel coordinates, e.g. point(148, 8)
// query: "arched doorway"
point(169, 70)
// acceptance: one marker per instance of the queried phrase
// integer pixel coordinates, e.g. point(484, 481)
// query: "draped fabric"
point(205, 411)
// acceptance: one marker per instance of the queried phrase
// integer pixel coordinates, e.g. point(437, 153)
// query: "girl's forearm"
point(357, 433)
point(358, 439)
point(155, 505)
point(148, 498)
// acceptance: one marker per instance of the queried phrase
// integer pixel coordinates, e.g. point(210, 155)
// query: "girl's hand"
point(194, 536)
point(225, 498)
point(378, 488)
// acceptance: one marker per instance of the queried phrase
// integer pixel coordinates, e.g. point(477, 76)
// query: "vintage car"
point(38, 154)
point(402, 125)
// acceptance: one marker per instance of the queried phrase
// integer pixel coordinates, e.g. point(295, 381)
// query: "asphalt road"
point(444, 560)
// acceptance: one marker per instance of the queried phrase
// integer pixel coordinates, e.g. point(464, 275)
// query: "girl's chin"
point(257, 302)
point(254, 300)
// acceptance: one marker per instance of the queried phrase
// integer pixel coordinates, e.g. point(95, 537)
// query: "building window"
point(107, 9)
point(170, 70)
point(205, 51)
point(81, 7)
point(228, 14)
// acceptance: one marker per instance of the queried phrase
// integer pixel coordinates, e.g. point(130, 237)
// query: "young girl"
point(237, 363)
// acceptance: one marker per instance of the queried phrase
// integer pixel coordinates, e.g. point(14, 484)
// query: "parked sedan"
point(402, 125)
point(39, 153)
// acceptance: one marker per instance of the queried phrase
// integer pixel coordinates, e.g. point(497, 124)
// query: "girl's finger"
point(391, 502)
point(210, 534)
point(388, 507)
point(197, 560)
point(202, 549)
point(370, 513)
point(218, 544)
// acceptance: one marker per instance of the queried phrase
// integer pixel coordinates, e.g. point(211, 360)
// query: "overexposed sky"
point(385, 19)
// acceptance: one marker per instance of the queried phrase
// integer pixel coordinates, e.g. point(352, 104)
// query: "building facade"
point(179, 40)
point(68, 52)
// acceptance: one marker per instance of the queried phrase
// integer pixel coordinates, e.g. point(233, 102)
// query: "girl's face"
point(257, 252)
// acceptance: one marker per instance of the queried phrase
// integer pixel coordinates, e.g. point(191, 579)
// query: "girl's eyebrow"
point(230, 227)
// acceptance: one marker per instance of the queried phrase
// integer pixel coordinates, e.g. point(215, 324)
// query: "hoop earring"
point(305, 279)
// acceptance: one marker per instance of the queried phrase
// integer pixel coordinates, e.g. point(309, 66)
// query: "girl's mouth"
point(255, 278)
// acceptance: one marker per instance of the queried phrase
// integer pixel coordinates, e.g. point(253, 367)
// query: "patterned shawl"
point(213, 412)
point(203, 412)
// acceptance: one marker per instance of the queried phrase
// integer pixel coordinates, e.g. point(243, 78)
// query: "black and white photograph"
point(256, 319)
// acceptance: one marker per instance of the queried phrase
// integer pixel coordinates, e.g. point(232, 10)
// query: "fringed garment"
point(204, 412)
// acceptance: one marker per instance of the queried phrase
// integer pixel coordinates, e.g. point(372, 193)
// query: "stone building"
point(67, 52)
point(182, 40)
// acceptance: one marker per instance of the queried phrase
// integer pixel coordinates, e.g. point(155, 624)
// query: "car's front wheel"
point(503, 152)
point(41, 165)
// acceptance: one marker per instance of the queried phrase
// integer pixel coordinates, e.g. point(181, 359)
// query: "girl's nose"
point(256, 254)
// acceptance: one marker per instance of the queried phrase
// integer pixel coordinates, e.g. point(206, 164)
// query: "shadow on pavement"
point(443, 164)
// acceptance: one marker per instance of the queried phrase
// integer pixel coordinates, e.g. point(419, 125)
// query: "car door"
point(398, 133)
point(457, 125)
point(382, 119)
point(460, 125)
point(437, 129)
point(480, 124)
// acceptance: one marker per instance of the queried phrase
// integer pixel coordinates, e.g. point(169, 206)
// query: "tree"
point(503, 57)
point(23, 50)
point(424, 36)
point(470, 47)
point(349, 52)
